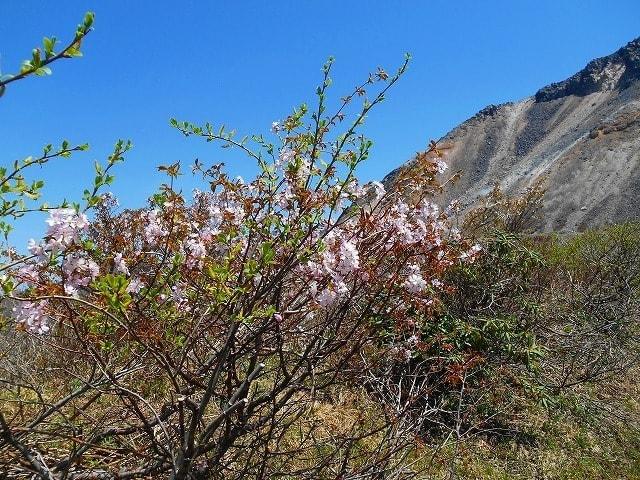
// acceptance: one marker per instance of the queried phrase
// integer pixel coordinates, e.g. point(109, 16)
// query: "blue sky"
point(247, 63)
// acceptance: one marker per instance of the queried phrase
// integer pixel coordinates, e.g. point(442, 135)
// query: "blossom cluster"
point(65, 227)
point(78, 272)
point(31, 316)
point(330, 243)
point(400, 245)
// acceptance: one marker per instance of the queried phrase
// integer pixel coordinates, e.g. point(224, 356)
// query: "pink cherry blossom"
point(28, 273)
point(327, 297)
point(79, 272)
point(414, 282)
point(195, 250)
point(119, 265)
point(428, 211)
point(348, 258)
point(135, 285)
point(32, 317)
point(65, 226)
point(377, 191)
point(38, 250)
point(153, 229)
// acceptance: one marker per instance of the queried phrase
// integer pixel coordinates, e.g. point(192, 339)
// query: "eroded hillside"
point(582, 135)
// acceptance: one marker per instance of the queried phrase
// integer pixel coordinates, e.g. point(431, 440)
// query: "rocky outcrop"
point(582, 135)
point(615, 71)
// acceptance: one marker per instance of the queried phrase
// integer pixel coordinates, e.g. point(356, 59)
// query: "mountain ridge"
point(582, 135)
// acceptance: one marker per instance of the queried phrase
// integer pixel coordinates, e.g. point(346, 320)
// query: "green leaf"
point(42, 71)
point(26, 67)
point(35, 57)
point(89, 17)
point(267, 252)
point(73, 52)
point(49, 44)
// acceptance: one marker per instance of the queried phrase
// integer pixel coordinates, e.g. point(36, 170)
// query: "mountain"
point(582, 135)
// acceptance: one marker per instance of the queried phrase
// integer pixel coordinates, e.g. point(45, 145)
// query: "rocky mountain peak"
point(615, 71)
point(580, 137)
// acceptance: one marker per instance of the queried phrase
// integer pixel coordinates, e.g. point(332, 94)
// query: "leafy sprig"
point(41, 58)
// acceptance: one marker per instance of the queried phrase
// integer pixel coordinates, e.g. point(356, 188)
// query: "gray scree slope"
point(582, 135)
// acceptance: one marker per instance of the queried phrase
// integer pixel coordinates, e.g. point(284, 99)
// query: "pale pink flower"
point(454, 206)
point(314, 270)
point(285, 157)
point(119, 265)
point(377, 190)
point(235, 209)
point(135, 285)
point(28, 273)
point(328, 262)
point(341, 288)
point(348, 259)
point(110, 199)
point(407, 354)
point(401, 354)
point(285, 196)
point(341, 256)
point(414, 282)
point(37, 250)
point(79, 272)
point(153, 229)
point(327, 298)
point(32, 316)
point(206, 234)
point(303, 169)
point(65, 227)
point(196, 251)
point(215, 218)
point(428, 211)
point(354, 189)
point(179, 296)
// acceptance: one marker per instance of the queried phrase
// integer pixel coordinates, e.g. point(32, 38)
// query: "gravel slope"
point(582, 135)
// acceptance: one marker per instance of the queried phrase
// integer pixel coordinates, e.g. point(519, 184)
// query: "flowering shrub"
point(207, 329)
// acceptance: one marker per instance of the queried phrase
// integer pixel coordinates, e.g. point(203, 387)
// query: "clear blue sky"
point(246, 63)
